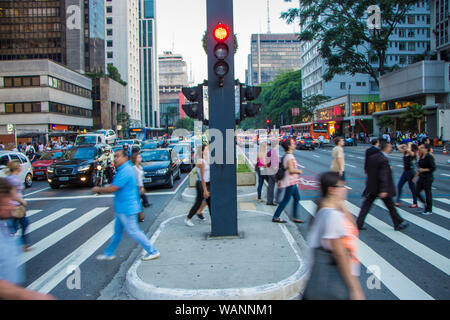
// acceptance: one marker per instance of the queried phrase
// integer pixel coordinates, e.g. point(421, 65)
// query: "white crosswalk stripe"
point(431, 227)
point(50, 218)
point(31, 213)
point(392, 278)
point(60, 234)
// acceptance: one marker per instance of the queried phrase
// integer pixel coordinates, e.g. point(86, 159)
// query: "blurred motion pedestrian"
point(338, 161)
point(261, 162)
point(333, 241)
point(136, 160)
point(425, 171)
point(409, 151)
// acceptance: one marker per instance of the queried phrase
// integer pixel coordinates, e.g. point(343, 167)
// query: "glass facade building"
point(94, 36)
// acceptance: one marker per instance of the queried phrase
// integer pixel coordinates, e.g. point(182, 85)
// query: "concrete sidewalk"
point(265, 262)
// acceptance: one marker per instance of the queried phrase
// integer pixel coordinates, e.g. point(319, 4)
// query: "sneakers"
point(149, 256)
point(188, 223)
point(260, 200)
point(102, 257)
point(426, 213)
point(201, 216)
point(414, 205)
point(402, 226)
point(397, 204)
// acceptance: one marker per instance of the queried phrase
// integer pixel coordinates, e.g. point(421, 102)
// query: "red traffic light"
point(268, 121)
point(221, 32)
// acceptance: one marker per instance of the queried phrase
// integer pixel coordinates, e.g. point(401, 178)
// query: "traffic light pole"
point(222, 117)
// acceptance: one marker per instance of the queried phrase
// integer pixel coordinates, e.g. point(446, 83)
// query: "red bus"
point(310, 129)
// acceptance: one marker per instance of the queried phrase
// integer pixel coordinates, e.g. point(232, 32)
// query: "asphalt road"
point(70, 227)
point(411, 264)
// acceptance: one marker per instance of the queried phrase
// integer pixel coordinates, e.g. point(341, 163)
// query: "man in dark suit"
point(370, 151)
point(380, 185)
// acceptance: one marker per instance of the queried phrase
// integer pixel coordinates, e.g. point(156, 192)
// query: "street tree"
point(413, 115)
point(385, 122)
point(123, 119)
point(345, 41)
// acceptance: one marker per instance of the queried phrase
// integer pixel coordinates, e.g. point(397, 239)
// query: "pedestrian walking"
point(202, 184)
point(380, 185)
point(333, 242)
point(321, 141)
point(370, 151)
point(338, 161)
point(409, 158)
point(11, 271)
point(127, 206)
point(2, 146)
point(271, 171)
point(127, 150)
point(289, 181)
point(136, 160)
point(261, 163)
point(426, 166)
point(20, 219)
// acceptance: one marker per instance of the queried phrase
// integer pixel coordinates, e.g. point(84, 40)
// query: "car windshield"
point(155, 155)
point(122, 142)
point(150, 146)
point(171, 146)
point(182, 149)
point(86, 140)
point(79, 154)
point(102, 132)
point(50, 155)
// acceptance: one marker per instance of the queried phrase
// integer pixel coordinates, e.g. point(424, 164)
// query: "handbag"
point(325, 282)
point(18, 212)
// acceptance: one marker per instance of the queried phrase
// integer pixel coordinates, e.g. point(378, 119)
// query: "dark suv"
point(76, 166)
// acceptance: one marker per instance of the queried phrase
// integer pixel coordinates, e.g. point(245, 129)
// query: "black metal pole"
point(222, 117)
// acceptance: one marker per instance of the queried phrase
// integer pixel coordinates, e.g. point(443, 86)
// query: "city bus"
point(145, 133)
point(310, 129)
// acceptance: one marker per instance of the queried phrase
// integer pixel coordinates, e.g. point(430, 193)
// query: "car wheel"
point(28, 180)
point(54, 186)
point(170, 184)
point(93, 181)
point(313, 148)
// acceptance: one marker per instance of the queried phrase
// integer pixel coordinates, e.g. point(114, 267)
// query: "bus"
point(310, 129)
point(145, 133)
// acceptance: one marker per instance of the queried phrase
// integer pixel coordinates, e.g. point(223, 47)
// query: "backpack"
point(281, 170)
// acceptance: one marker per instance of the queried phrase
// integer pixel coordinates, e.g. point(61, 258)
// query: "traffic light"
point(249, 93)
point(268, 122)
point(193, 109)
point(221, 32)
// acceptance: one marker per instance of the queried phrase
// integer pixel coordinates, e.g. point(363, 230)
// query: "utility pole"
point(221, 92)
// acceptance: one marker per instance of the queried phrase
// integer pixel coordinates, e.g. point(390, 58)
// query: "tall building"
point(410, 38)
point(271, 53)
point(148, 64)
point(70, 32)
point(122, 50)
point(440, 16)
point(172, 77)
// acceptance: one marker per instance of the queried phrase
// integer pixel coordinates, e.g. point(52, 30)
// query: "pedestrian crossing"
point(393, 275)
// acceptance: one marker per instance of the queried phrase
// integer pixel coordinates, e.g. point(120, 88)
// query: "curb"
point(240, 197)
point(288, 288)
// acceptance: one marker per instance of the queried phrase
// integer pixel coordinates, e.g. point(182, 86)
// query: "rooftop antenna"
point(268, 16)
point(173, 42)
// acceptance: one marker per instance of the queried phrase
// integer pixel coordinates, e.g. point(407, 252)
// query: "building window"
point(402, 46)
point(343, 85)
point(19, 82)
point(109, 9)
point(109, 55)
point(402, 60)
point(109, 43)
point(109, 32)
point(402, 33)
point(109, 20)
point(411, 46)
point(411, 19)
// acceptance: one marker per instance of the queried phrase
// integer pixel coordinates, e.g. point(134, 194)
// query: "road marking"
point(49, 280)
point(349, 188)
point(350, 165)
point(399, 165)
point(444, 174)
point(28, 194)
point(301, 166)
point(351, 156)
point(48, 219)
point(440, 212)
point(49, 241)
point(420, 250)
point(314, 155)
point(400, 285)
point(32, 212)
point(422, 223)
point(360, 158)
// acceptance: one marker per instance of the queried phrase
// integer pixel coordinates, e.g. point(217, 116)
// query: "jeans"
point(407, 176)
point(130, 224)
point(261, 179)
point(14, 227)
point(424, 183)
point(271, 180)
point(291, 191)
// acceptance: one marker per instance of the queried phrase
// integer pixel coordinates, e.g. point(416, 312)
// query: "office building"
point(70, 32)
point(270, 54)
point(173, 77)
point(148, 64)
point(122, 50)
point(40, 97)
point(440, 16)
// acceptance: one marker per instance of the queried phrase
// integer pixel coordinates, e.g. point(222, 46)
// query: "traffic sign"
point(352, 121)
point(10, 128)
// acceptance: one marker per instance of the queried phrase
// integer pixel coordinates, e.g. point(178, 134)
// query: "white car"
point(90, 138)
point(110, 135)
point(26, 175)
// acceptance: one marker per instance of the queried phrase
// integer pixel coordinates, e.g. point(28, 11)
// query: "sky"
point(181, 23)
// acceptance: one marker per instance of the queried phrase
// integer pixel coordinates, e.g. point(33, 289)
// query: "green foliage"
point(114, 74)
point(413, 114)
point(385, 122)
point(123, 119)
point(186, 123)
point(346, 43)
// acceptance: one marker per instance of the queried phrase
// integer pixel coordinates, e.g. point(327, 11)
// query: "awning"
point(399, 111)
point(62, 133)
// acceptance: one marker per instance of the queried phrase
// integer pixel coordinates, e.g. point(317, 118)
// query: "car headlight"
point(162, 171)
point(84, 168)
point(186, 160)
point(50, 170)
